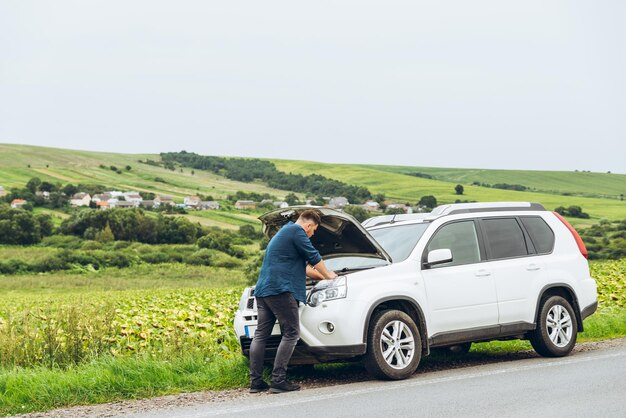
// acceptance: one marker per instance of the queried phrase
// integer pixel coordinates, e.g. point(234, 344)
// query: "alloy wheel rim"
point(397, 344)
point(559, 326)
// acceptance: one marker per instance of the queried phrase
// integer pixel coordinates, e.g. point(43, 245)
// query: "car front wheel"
point(555, 335)
point(394, 346)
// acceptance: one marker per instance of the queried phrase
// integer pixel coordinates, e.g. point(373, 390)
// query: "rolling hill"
point(597, 193)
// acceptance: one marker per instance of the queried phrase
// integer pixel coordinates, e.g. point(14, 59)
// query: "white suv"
point(409, 283)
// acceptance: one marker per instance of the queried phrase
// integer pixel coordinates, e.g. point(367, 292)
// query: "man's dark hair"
point(311, 215)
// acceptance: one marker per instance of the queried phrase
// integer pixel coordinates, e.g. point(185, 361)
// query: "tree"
point(358, 212)
point(428, 201)
point(106, 235)
point(128, 168)
point(394, 211)
point(292, 199)
point(458, 189)
point(33, 184)
point(70, 190)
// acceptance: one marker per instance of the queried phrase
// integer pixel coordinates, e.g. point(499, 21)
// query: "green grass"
point(72, 166)
point(586, 184)
point(404, 188)
point(109, 379)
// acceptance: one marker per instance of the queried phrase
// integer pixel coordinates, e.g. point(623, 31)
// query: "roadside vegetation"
point(147, 330)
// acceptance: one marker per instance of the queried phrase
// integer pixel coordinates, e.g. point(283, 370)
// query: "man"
point(279, 289)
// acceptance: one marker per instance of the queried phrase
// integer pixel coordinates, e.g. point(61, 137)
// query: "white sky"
point(487, 84)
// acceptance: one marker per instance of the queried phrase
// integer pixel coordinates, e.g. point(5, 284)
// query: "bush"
point(202, 257)
point(63, 241)
point(155, 257)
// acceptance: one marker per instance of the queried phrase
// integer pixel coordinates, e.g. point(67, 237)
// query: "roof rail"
point(457, 208)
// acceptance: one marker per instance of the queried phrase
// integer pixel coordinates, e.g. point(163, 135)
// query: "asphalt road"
point(589, 384)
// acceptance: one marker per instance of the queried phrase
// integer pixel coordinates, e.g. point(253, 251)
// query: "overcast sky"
point(486, 84)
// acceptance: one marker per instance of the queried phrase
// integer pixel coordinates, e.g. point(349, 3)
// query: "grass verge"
point(108, 379)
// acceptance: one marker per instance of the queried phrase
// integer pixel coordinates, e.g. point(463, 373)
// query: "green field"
point(403, 188)
point(71, 166)
point(602, 185)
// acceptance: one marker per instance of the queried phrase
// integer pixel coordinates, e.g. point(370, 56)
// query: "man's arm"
point(313, 274)
point(321, 268)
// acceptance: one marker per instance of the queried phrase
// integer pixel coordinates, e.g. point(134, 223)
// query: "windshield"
point(399, 240)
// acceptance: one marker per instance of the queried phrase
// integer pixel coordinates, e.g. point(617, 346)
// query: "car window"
point(540, 233)
point(505, 238)
point(399, 240)
point(461, 239)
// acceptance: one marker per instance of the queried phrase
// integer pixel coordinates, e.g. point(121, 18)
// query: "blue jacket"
point(284, 265)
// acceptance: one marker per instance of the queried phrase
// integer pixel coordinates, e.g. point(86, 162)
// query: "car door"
point(515, 262)
point(461, 293)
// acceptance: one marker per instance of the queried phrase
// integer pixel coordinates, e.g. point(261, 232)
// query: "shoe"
point(283, 386)
point(259, 387)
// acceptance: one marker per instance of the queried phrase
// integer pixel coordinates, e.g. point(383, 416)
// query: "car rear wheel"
point(394, 346)
point(556, 332)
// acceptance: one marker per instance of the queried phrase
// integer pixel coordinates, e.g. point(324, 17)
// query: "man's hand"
point(328, 274)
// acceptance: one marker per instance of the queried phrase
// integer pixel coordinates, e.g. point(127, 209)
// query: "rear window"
point(540, 234)
point(505, 238)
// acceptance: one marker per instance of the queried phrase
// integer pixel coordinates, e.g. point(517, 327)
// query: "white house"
point(209, 205)
point(339, 202)
point(371, 206)
point(133, 197)
point(80, 199)
point(192, 201)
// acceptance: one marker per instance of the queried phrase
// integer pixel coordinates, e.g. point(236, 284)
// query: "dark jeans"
point(283, 307)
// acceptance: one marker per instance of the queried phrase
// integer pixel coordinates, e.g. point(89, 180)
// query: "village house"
point(133, 197)
point(123, 204)
point(192, 202)
point(209, 205)
point(245, 204)
point(18, 203)
point(45, 195)
point(339, 202)
point(371, 206)
point(102, 197)
point(102, 204)
point(80, 199)
point(164, 200)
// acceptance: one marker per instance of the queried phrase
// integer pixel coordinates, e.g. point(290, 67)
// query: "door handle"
point(482, 273)
point(533, 267)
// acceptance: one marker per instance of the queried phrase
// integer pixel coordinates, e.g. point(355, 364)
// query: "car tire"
point(456, 350)
point(557, 328)
point(394, 345)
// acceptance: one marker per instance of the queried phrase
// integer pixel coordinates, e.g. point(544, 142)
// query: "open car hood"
point(339, 234)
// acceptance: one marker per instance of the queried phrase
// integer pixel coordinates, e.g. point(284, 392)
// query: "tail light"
point(579, 240)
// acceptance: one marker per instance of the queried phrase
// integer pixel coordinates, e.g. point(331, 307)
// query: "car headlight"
point(328, 290)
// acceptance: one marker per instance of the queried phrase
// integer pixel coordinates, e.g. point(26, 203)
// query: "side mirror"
point(441, 256)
